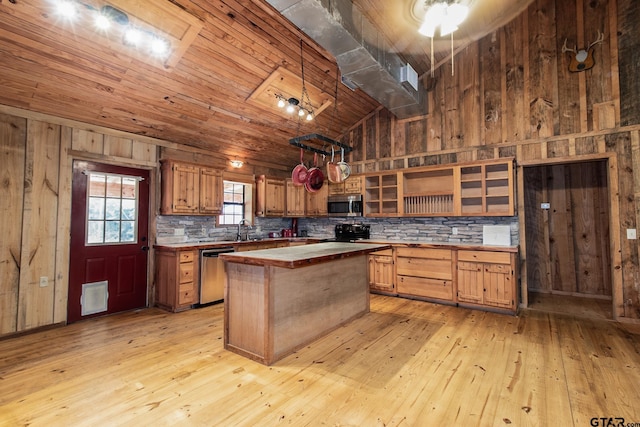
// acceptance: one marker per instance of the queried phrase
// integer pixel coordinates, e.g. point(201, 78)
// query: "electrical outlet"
point(545, 205)
point(454, 230)
point(44, 281)
point(631, 233)
point(178, 231)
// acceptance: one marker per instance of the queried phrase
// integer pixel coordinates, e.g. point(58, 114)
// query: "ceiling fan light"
point(309, 117)
point(428, 28)
point(301, 112)
point(290, 109)
point(457, 13)
point(281, 103)
point(447, 27)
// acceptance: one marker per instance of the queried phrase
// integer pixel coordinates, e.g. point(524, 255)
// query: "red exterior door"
point(109, 247)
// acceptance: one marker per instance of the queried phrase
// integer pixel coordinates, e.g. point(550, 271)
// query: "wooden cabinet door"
point(498, 285)
point(295, 199)
point(353, 185)
point(381, 273)
point(210, 191)
point(317, 202)
point(275, 197)
point(186, 188)
point(470, 282)
point(270, 196)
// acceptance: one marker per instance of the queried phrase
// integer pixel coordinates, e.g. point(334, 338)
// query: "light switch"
point(44, 281)
point(631, 233)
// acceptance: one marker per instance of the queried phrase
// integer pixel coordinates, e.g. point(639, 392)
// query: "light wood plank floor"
point(582, 306)
point(406, 363)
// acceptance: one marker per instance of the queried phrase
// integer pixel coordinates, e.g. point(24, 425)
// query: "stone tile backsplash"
point(431, 229)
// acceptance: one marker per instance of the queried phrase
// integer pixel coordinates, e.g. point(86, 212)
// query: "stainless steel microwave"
point(347, 205)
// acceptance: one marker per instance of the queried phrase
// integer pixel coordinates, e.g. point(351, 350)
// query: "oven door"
point(345, 205)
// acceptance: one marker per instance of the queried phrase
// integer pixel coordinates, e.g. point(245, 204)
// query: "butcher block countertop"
point(300, 256)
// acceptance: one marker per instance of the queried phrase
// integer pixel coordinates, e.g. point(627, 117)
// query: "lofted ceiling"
point(216, 91)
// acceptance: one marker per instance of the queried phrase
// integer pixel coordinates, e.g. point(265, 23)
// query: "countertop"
point(450, 245)
point(209, 244)
point(373, 240)
point(300, 256)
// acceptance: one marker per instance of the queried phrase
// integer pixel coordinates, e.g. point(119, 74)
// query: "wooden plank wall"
point(512, 94)
point(35, 172)
point(567, 245)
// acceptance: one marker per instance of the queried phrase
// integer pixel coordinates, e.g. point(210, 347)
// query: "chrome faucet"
point(248, 224)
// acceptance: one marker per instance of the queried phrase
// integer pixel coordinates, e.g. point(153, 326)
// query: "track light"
point(291, 105)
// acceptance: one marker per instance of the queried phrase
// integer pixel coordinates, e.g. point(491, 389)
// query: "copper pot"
point(333, 170)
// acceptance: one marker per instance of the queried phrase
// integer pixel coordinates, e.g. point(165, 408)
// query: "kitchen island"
point(278, 300)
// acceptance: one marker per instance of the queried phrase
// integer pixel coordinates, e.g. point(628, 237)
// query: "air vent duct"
point(361, 51)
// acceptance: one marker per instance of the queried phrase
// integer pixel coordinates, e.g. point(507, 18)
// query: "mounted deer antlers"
point(582, 59)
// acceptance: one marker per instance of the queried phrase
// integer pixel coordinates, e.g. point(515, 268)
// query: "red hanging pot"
point(300, 173)
point(315, 177)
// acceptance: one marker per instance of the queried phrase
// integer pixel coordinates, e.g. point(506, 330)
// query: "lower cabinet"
point(472, 278)
point(425, 272)
point(176, 279)
point(487, 278)
point(381, 273)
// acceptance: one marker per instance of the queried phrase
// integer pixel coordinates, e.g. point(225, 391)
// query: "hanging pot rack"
point(298, 142)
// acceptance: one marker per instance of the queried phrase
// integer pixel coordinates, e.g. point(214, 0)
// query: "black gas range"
point(352, 232)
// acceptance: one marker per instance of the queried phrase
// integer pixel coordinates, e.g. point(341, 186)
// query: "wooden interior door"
point(109, 247)
point(568, 243)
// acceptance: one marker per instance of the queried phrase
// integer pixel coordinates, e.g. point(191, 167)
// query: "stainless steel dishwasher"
point(212, 275)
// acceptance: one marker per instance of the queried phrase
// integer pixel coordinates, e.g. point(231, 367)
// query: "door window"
point(112, 201)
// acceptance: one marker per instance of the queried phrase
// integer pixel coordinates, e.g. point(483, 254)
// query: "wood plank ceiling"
point(229, 59)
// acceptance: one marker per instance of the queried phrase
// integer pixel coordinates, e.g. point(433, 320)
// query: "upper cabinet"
point(189, 189)
point(382, 194)
point(352, 185)
point(487, 189)
point(294, 200)
point(429, 192)
point(471, 189)
point(317, 203)
point(271, 196)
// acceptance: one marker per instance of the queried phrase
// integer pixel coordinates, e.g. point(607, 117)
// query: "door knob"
point(145, 248)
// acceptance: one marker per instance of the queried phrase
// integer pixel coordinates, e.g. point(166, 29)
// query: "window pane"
point(238, 198)
point(112, 231)
point(96, 208)
point(237, 210)
point(97, 185)
point(114, 187)
point(129, 188)
point(113, 209)
point(128, 209)
point(127, 233)
point(228, 197)
point(95, 232)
